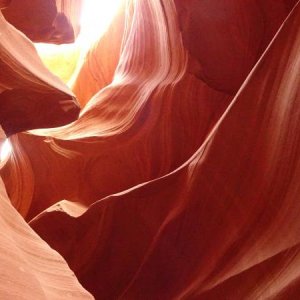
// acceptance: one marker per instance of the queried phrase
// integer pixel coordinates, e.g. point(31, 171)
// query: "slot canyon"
point(150, 149)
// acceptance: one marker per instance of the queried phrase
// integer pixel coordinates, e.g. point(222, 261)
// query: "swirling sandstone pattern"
point(30, 269)
point(30, 97)
point(224, 224)
point(181, 174)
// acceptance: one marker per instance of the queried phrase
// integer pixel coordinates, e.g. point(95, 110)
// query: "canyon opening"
point(149, 149)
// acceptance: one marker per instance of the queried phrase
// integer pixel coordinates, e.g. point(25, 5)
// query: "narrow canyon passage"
point(162, 159)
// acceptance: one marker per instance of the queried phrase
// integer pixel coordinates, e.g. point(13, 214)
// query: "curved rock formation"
point(181, 174)
point(226, 41)
point(145, 124)
point(226, 218)
point(126, 117)
point(30, 269)
point(30, 96)
point(99, 64)
point(52, 21)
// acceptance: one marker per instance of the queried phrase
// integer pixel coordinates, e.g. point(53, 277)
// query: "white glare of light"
point(96, 17)
point(5, 150)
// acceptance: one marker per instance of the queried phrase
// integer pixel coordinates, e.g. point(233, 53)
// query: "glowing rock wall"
point(180, 178)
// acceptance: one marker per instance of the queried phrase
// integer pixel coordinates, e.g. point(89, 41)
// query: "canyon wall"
point(179, 178)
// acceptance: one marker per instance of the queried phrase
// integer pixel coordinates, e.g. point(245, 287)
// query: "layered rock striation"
point(180, 177)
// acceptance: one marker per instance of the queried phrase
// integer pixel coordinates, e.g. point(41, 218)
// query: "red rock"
point(181, 173)
point(30, 96)
point(52, 21)
point(30, 269)
point(4, 3)
point(224, 223)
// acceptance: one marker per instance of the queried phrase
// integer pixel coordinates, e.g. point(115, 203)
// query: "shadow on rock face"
point(225, 39)
point(22, 109)
point(39, 20)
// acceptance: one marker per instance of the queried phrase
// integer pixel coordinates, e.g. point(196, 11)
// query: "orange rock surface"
point(180, 177)
point(30, 97)
point(30, 269)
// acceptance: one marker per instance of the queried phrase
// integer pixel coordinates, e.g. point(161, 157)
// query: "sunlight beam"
point(6, 149)
point(96, 17)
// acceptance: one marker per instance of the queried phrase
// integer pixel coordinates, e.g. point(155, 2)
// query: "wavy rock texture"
point(204, 231)
point(145, 124)
point(181, 176)
point(99, 64)
point(124, 140)
point(30, 96)
point(30, 269)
